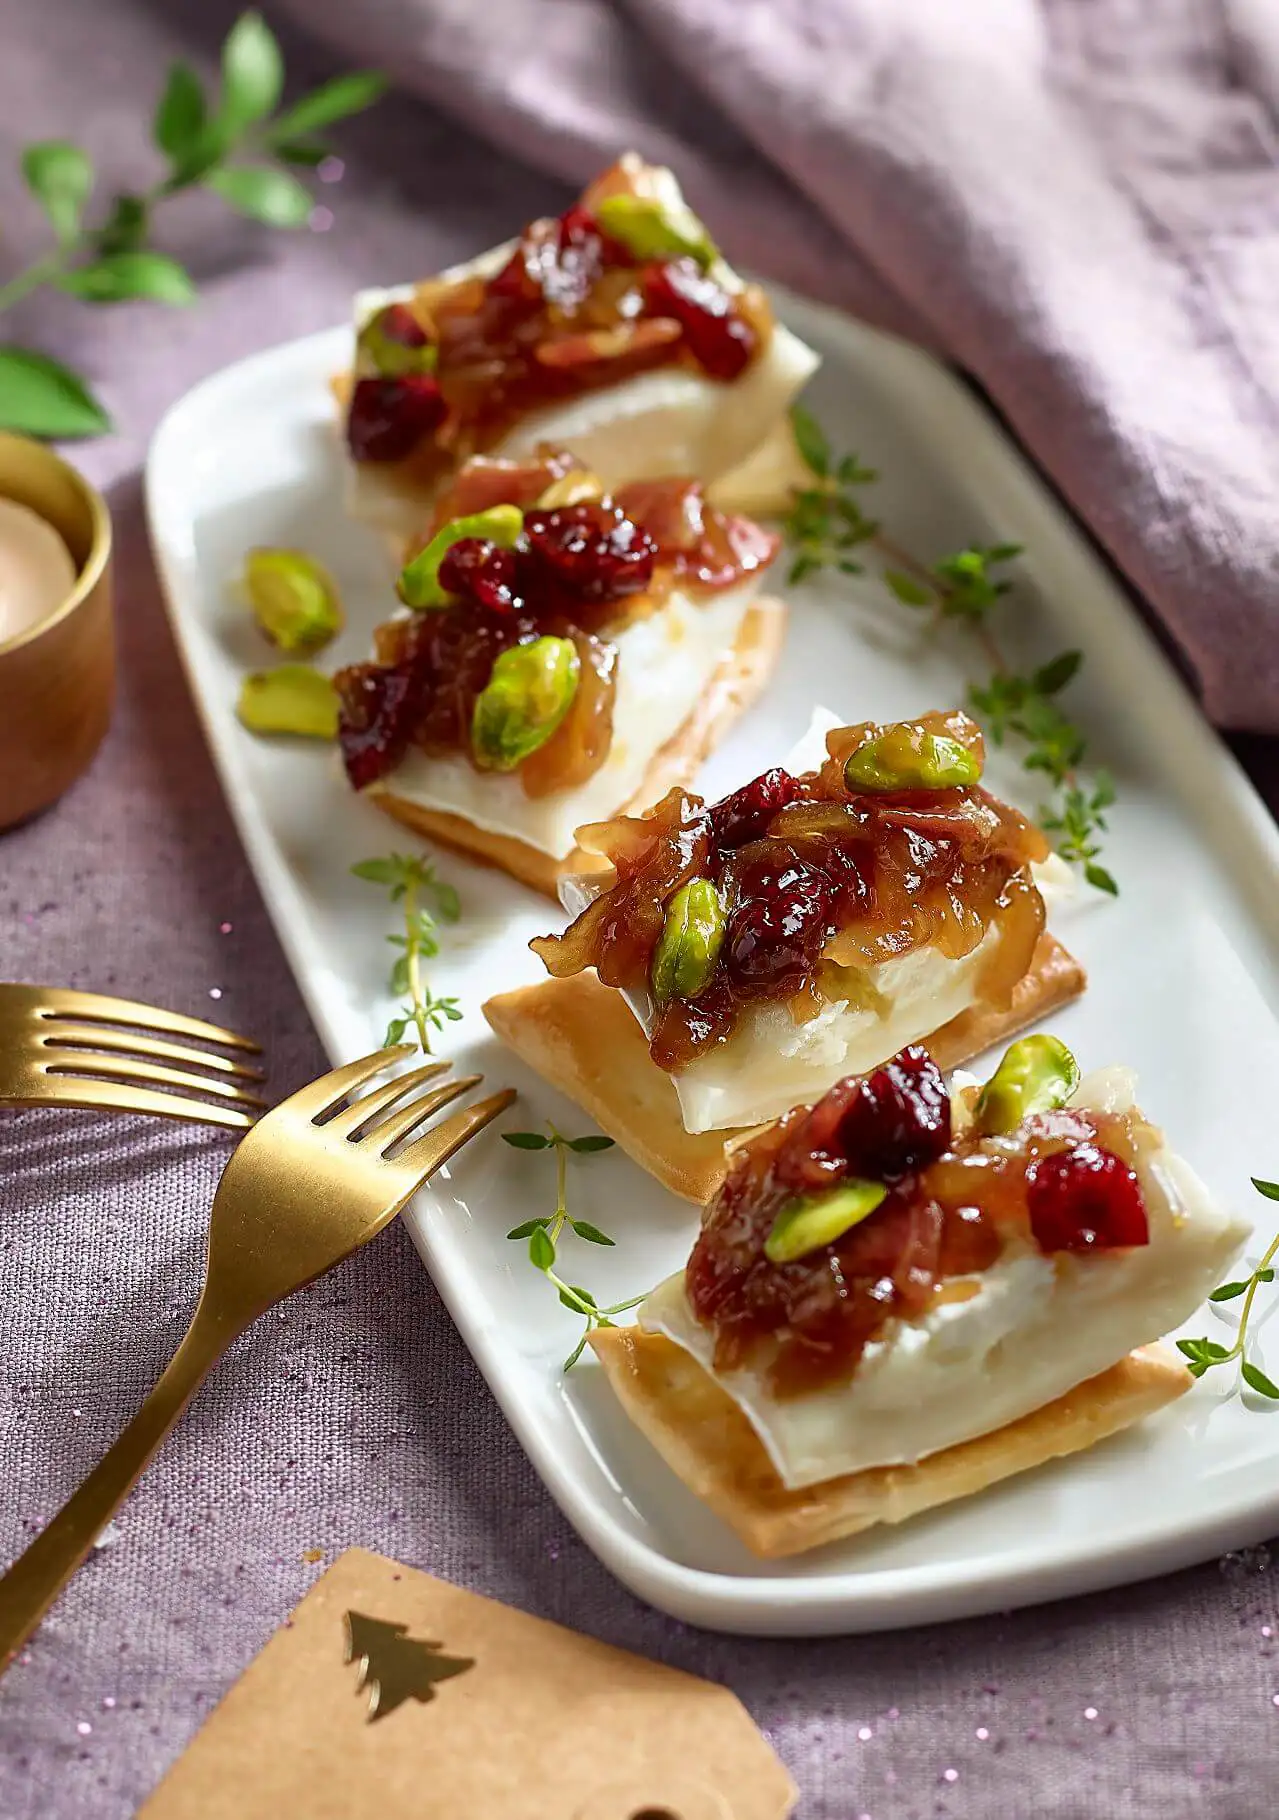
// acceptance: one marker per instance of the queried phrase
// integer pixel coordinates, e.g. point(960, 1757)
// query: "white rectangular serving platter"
point(1182, 971)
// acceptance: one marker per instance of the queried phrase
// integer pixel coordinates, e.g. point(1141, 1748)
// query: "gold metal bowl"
point(57, 677)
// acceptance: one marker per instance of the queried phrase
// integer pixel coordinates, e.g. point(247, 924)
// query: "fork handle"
point(39, 1574)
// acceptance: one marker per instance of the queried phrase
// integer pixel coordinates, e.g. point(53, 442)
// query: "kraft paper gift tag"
point(389, 1694)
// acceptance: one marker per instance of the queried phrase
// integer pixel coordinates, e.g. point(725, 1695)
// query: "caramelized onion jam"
point(819, 881)
point(581, 571)
point(955, 1202)
point(572, 311)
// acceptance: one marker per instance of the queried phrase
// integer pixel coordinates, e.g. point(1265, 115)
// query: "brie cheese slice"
point(1034, 1328)
point(664, 662)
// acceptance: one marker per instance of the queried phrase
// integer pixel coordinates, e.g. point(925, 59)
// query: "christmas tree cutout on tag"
point(394, 1666)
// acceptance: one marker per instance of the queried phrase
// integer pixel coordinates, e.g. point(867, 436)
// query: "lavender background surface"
point(353, 1414)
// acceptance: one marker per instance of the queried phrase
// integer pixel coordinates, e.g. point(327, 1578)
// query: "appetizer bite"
point(900, 1296)
point(615, 329)
point(741, 956)
point(561, 652)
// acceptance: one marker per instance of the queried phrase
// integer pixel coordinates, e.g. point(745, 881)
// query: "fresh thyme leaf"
point(120, 277)
point(252, 72)
point(262, 193)
point(1228, 1291)
point(543, 1234)
point(1269, 1189)
point(40, 397)
point(1203, 1354)
point(180, 115)
point(325, 106)
point(1101, 880)
point(811, 440)
point(910, 592)
point(1255, 1378)
point(407, 880)
point(1053, 676)
point(60, 177)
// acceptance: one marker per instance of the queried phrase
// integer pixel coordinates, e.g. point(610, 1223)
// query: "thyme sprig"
point(1203, 1354)
point(544, 1233)
point(826, 523)
point(410, 879)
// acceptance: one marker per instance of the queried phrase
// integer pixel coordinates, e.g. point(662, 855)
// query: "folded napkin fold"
point(1077, 201)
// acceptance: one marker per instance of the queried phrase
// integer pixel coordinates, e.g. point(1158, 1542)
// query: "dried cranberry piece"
point(388, 418)
point(1085, 1199)
point(592, 550)
point(762, 868)
point(745, 815)
point(556, 262)
point(772, 943)
point(484, 572)
point(898, 1118)
point(378, 711)
point(719, 338)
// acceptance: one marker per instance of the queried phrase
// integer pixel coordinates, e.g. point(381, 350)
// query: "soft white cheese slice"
point(771, 1063)
point(1034, 1329)
point(664, 663)
point(666, 422)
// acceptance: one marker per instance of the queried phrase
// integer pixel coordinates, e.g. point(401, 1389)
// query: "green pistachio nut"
point(292, 698)
point(419, 583)
point(656, 230)
point(688, 947)
point(293, 599)
point(907, 756)
point(1037, 1074)
point(394, 343)
point(815, 1220)
point(529, 692)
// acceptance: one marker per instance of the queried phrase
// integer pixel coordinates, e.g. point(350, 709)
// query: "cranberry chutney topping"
point(951, 1204)
point(572, 569)
point(891, 846)
point(615, 286)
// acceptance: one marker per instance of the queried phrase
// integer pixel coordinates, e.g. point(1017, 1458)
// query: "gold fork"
point(54, 1042)
point(312, 1182)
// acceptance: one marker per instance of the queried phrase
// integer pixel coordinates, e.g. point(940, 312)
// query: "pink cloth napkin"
point(1077, 201)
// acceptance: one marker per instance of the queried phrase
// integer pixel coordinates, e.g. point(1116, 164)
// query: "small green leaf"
point(579, 1349)
point(252, 72)
point(1197, 1369)
point(584, 1145)
point(1207, 1350)
point(810, 440)
point(40, 397)
point(1004, 552)
point(582, 1295)
point(262, 193)
point(1053, 676)
point(121, 276)
point(526, 1230)
point(1228, 1291)
point(1255, 1378)
point(395, 1031)
point(1265, 1276)
point(585, 1230)
point(526, 1140)
point(910, 592)
point(1100, 879)
point(305, 152)
point(1269, 1189)
point(60, 177)
point(376, 871)
point(345, 95)
point(180, 116)
point(125, 227)
point(541, 1251)
point(447, 902)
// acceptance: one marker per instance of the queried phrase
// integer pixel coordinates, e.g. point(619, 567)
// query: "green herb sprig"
point(233, 146)
point(826, 523)
point(409, 880)
point(1204, 1355)
point(544, 1233)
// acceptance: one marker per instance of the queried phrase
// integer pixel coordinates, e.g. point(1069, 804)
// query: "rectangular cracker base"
point(737, 683)
point(582, 1037)
point(708, 1443)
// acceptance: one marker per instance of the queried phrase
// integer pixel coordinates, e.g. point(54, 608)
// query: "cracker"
point(737, 683)
point(582, 1037)
point(708, 1442)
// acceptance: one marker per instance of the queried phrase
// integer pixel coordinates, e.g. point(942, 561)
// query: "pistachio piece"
point(688, 947)
point(907, 756)
point(815, 1220)
point(419, 583)
point(292, 698)
point(1037, 1074)
point(293, 599)
point(578, 487)
point(394, 343)
point(529, 692)
point(656, 230)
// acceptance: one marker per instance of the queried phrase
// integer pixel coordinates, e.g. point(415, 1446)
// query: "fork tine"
point(389, 1131)
point(73, 1036)
point(436, 1146)
point(114, 1096)
point(76, 1065)
point(348, 1122)
point(63, 1003)
point(326, 1093)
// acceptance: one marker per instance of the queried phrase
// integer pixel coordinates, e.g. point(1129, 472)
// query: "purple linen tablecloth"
point(353, 1414)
